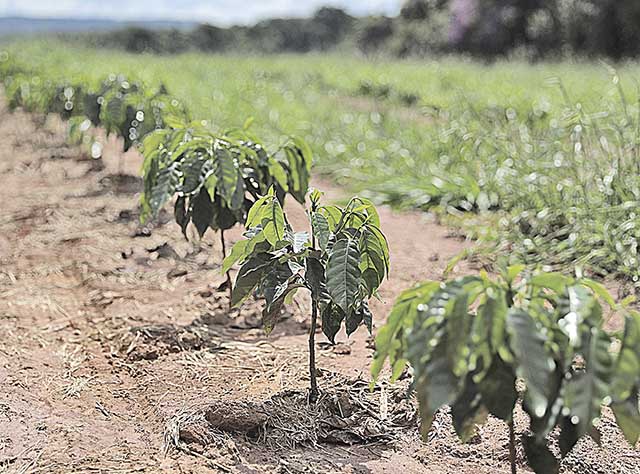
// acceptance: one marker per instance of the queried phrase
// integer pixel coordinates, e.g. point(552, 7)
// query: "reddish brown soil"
point(112, 335)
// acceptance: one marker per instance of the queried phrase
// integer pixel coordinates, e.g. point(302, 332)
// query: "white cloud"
point(220, 11)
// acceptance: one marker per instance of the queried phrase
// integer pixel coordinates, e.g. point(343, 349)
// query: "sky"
point(215, 11)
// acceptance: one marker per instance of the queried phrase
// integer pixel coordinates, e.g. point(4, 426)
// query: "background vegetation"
point(489, 28)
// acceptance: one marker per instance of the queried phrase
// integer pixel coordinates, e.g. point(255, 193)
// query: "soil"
point(118, 353)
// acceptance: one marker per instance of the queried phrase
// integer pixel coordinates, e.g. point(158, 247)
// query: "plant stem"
point(224, 255)
point(512, 446)
point(313, 393)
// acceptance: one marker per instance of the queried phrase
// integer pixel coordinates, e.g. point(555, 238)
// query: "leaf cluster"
point(217, 178)
point(469, 340)
point(342, 260)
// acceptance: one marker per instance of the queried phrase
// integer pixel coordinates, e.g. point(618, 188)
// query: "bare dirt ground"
point(117, 352)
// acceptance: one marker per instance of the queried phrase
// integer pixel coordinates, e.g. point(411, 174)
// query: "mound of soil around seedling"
point(347, 413)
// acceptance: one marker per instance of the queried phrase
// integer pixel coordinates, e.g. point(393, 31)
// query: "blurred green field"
point(542, 159)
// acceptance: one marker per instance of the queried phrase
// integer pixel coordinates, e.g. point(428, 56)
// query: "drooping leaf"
point(320, 227)
point(498, 389)
point(203, 212)
point(332, 317)
point(343, 273)
point(316, 279)
point(248, 278)
point(468, 411)
point(535, 365)
point(436, 384)
point(182, 215)
point(626, 376)
point(627, 414)
point(167, 182)
point(391, 337)
point(227, 173)
point(586, 390)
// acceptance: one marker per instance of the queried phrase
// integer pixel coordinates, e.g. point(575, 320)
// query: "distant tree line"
point(486, 28)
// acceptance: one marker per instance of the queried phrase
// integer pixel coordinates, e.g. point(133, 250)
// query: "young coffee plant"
point(342, 262)
point(469, 340)
point(217, 178)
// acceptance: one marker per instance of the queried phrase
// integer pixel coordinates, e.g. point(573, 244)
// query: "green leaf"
point(203, 212)
point(626, 374)
point(182, 215)
point(586, 390)
point(238, 252)
point(627, 414)
point(274, 285)
point(554, 281)
point(513, 272)
point(539, 457)
point(273, 222)
point(498, 390)
point(534, 364)
point(436, 384)
point(316, 279)
point(391, 336)
point(192, 169)
point(320, 227)
point(332, 317)
point(467, 411)
point(343, 273)
point(248, 278)
point(227, 173)
point(167, 182)
point(372, 260)
point(600, 291)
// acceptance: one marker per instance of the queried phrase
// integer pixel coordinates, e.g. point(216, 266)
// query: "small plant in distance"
point(469, 340)
point(217, 178)
point(342, 262)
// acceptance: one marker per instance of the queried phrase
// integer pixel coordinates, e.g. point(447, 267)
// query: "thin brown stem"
point(512, 446)
point(224, 255)
point(313, 392)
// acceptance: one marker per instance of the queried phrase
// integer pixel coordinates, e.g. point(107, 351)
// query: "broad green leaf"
point(498, 390)
point(273, 222)
point(182, 215)
point(467, 411)
point(333, 214)
point(586, 390)
point(248, 278)
point(254, 217)
point(167, 183)
point(391, 336)
point(600, 291)
point(513, 272)
point(626, 374)
point(227, 173)
point(332, 317)
point(436, 384)
point(627, 414)
point(192, 168)
point(343, 273)
point(203, 212)
point(315, 278)
point(238, 252)
point(320, 228)
point(554, 281)
point(534, 364)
